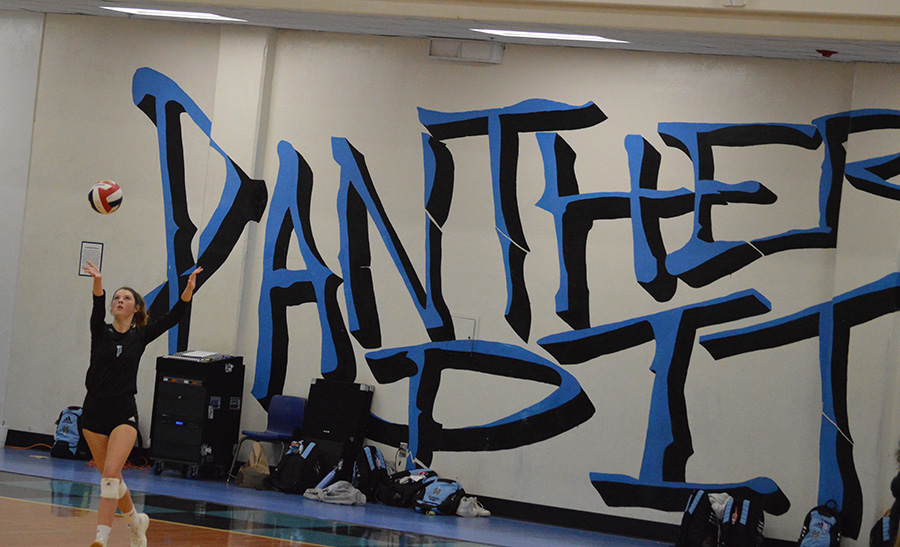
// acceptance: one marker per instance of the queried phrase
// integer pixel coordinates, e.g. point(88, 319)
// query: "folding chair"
point(285, 414)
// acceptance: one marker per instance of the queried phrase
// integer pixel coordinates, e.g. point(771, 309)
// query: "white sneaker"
point(471, 507)
point(139, 531)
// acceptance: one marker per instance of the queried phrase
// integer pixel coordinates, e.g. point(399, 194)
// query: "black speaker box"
point(336, 417)
point(196, 409)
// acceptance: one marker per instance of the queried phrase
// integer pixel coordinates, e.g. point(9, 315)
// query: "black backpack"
point(821, 527)
point(369, 471)
point(880, 535)
point(699, 525)
point(298, 471)
point(403, 488)
point(743, 524)
point(68, 441)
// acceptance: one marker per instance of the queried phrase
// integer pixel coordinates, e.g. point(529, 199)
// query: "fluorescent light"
point(548, 36)
point(175, 14)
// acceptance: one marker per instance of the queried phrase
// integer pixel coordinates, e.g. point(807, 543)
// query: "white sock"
point(103, 533)
point(131, 517)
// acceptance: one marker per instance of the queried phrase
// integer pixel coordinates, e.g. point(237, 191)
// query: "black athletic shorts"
point(101, 415)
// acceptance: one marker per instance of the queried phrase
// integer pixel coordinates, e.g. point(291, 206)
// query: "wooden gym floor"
point(51, 502)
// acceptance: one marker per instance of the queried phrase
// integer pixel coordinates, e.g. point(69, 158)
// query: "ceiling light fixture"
point(548, 36)
point(175, 14)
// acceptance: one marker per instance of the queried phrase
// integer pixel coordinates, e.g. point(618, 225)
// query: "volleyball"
point(105, 197)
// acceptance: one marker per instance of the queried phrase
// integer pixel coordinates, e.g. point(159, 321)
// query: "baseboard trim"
point(582, 520)
point(27, 439)
point(594, 522)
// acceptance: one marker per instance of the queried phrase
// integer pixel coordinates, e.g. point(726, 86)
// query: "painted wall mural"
point(704, 259)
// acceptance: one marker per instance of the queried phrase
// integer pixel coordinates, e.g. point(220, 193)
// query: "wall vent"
point(472, 51)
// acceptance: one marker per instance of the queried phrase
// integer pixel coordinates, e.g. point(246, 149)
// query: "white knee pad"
point(112, 488)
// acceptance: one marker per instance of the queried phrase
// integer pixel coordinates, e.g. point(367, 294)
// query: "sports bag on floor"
point(880, 534)
point(743, 524)
point(299, 470)
point(821, 527)
point(440, 497)
point(402, 489)
point(68, 441)
point(369, 471)
point(699, 525)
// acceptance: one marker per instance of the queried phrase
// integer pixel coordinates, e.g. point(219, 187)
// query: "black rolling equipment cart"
point(196, 413)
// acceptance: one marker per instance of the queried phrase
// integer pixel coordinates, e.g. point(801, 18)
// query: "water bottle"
point(401, 457)
point(330, 476)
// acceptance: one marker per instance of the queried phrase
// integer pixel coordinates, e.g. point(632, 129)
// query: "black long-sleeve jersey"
point(115, 356)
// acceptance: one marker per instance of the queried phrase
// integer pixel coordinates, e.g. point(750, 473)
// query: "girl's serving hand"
point(91, 270)
point(191, 284)
point(94, 272)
